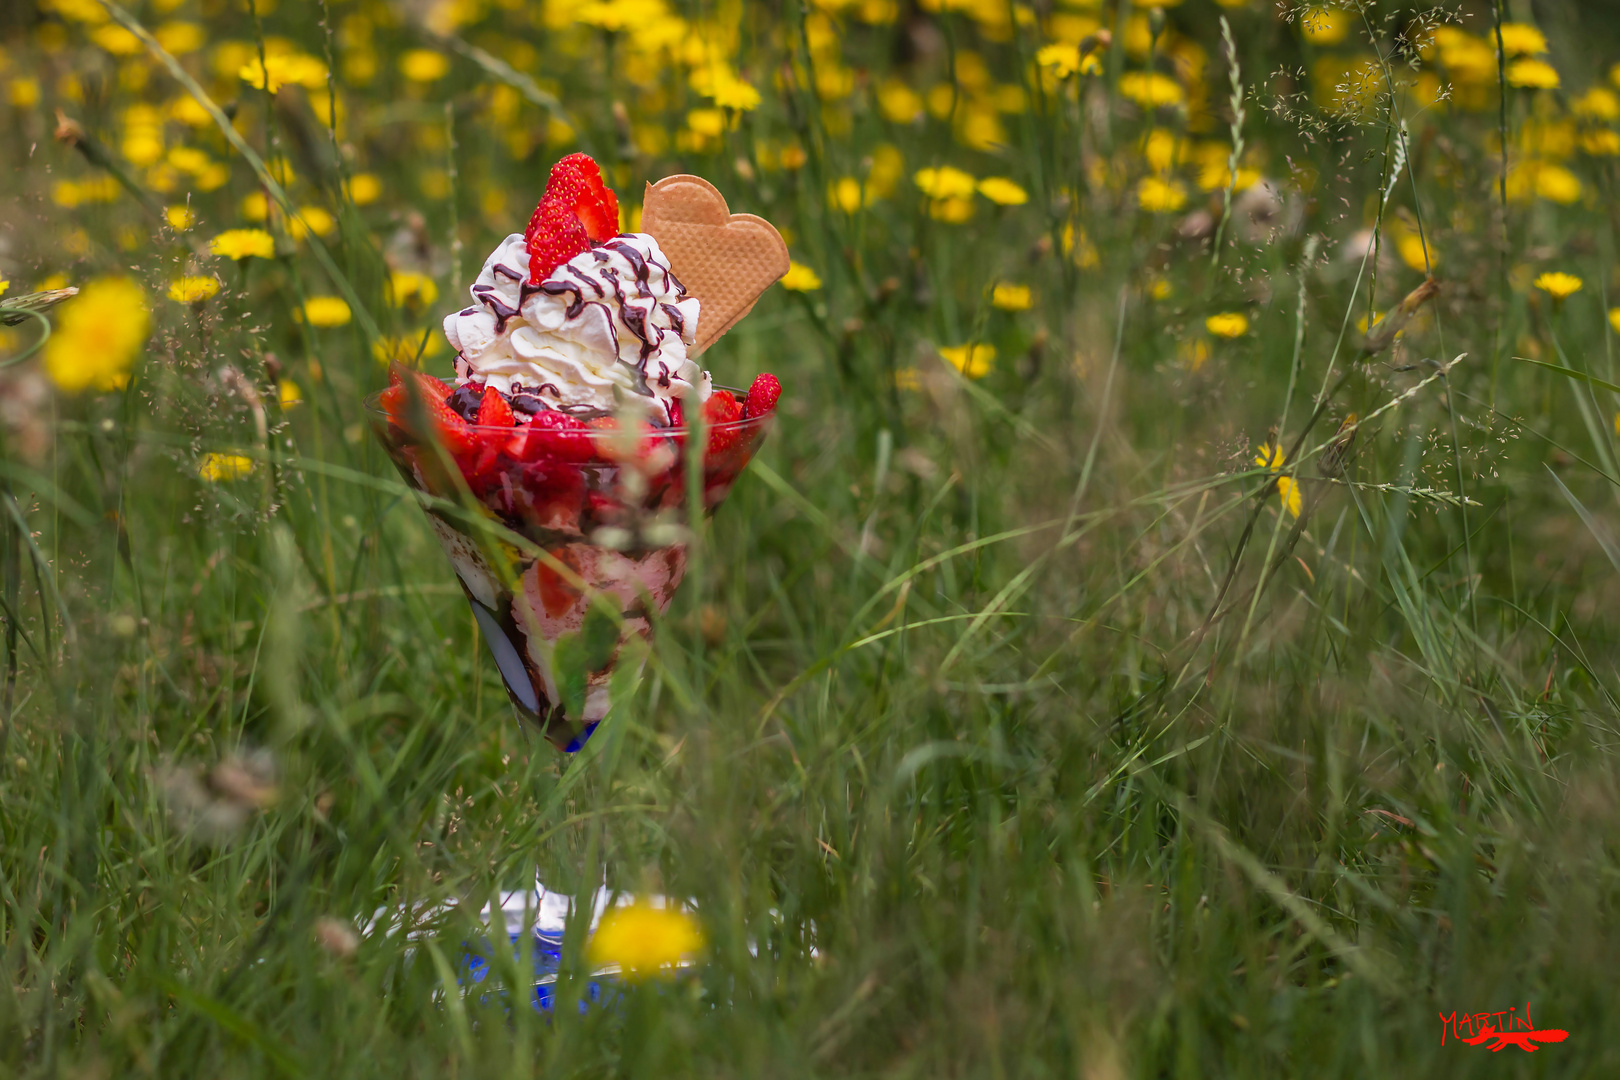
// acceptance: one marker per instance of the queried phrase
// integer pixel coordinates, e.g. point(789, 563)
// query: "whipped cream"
point(607, 329)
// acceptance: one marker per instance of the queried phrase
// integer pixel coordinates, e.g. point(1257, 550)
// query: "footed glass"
point(605, 513)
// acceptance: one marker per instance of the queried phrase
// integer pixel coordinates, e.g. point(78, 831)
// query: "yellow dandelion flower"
point(1227, 324)
point(1614, 319)
point(311, 219)
point(215, 468)
point(845, 194)
point(407, 288)
point(1559, 285)
point(364, 189)
point(4, 285)
point(951, 211)
point(326, 311)
point(1557, 184)
point(1002, 191)
point(22, 93)
point(1159, 196)
point(1326, 26)
point(424, 65)
point(244, 244)
point(973, 359)
point(1010, 297)
point(1602, 142)
point(945, 182)
point(180, 218)
point(288, 394)
point(1522, 39)
point(279, 70)
point(644, 940)
point(1599, 103)
point(179, 37)
point(800, 278)
point(116, 40)
point(1532, 74)
point(899, 103)
point(97, 336)
point(1061, 57)
point(729, 91)
point(193, 289)
point(1273, 458)
point(1151, 89)
point(255, 206)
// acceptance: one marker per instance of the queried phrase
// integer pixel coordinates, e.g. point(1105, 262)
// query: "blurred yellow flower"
point(180, 37)
point(192, 289)
point(326, 311)
point(215, 468)
point(4, 285)
point(95, 189)
point(719, 82)
point(1601, 142)
point(1228, 324)
point(364, 189)
point(385, 350)
point(243, 244)
point(1010, 297)
point(1272, 458)
point(1614, 319)
point(1325, 26)
point(1522, 39)
point(424, 65)
point(1002, 191)
point(180, 218)
point(97, 336)
point(1159, 196)
point(22, 93)
point(1599, 103)
point(1150, 89)
point(1557, 184)
point(311, 219)
point(116, 40)
point(1064, 59)
point(972, 360)
point(288, 394)
point(945, 182)
point(952, 211)
point(800, 278)
point(284, 68)
point(845, 194)
point(707, 122)
point(407, 288)
point(1532, 74)
point(644, 940)
point(898, 102)
point(1559, 285)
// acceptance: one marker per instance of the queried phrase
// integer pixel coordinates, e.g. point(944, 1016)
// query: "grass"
point(1011, 724)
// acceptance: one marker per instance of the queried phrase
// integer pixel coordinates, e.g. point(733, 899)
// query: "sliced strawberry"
point(762, 396)
point(495, 411)
point(451, 429)
point(558, 435)
point(721, 409)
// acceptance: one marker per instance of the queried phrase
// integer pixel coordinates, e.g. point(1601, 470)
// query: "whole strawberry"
point(762, 395)
point(577, 211)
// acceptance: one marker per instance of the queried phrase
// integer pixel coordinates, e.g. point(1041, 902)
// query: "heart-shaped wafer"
point(725, 260)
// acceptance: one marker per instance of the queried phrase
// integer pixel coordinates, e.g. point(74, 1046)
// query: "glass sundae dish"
point(558, 469)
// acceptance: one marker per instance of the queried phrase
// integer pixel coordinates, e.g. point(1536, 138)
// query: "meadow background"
point(1163, 635)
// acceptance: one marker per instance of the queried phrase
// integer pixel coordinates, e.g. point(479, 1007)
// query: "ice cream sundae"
point(567, 422)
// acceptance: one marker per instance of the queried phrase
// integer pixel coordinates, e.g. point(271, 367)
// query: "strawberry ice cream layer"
point(607, 329)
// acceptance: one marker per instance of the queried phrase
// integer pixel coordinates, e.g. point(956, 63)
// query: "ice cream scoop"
point(606, 330)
